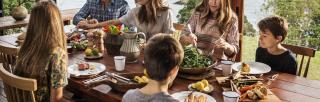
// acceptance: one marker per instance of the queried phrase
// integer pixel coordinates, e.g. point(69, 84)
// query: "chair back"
point(8, 56)
point(303, 52)
point(16, 88)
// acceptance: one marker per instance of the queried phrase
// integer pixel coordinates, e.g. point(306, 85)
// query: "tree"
point(303, 17)
point(186, 11)
point(248, 28)
point(8, 5)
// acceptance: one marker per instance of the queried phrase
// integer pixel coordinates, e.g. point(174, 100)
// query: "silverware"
point(99, 78)
point(118, 77)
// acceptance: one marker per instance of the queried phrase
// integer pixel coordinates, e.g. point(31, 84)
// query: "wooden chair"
point(304, 52)
point(18, 89)
point(8, 57)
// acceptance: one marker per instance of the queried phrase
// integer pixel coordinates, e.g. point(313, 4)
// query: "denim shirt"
point(94, 8)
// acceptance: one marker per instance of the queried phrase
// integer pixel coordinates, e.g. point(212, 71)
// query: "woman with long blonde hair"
point(214, 26)
point(43, 54)
point(152, 17)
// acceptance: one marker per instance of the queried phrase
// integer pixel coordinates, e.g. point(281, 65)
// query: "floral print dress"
point(56, 68)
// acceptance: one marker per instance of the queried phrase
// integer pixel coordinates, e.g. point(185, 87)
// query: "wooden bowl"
point(195, 70)
point(124, 87)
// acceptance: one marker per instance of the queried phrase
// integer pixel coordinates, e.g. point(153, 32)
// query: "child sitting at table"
point(163, 54)
point(273, 30)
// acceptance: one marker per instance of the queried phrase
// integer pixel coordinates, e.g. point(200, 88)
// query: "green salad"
point(193, 59)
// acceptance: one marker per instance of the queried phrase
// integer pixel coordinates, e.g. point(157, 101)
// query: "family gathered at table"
point(212, 27)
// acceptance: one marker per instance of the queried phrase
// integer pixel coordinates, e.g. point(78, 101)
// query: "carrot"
point(246, 88)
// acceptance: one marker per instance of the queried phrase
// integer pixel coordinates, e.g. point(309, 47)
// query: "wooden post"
point(237, 6)
point(1, 13)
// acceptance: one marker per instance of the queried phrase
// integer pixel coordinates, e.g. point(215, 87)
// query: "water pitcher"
point(130, 45)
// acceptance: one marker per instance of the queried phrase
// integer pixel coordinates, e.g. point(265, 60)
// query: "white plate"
point(74, 70)
point(180, 96)
point(255, 67)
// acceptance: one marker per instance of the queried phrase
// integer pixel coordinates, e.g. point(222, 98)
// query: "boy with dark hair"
point(273, 30)
point(162, 55)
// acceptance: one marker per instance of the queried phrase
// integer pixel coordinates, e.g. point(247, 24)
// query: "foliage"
point(186, 11)
point(8, 5)
point(248, 28)
point(303, 17)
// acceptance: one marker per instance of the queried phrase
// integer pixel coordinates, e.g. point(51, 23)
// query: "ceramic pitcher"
point(130, 45)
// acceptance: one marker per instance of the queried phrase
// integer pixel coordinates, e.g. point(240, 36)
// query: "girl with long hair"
point(43, 55)
point(214, 23)
point(152, 17)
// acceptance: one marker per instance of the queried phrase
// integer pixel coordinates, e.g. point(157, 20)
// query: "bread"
point(245, 68)
point(193, 98)
point(22, 36)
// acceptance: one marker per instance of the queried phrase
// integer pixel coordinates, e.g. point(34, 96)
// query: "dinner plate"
point(180, 96)
point(74, 71)
point(255, 67)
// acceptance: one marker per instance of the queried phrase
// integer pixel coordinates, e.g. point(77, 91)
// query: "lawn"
point(249, 49)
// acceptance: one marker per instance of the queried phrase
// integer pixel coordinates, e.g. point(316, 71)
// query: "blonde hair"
point(148, 13)
point(225, 13)
point(44, 34)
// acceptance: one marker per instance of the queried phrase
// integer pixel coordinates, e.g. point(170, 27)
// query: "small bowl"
point(204, 91)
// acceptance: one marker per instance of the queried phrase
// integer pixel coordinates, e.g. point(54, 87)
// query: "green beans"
point(192, 59)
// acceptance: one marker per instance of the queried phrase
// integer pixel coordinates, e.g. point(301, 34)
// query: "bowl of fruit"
point(92, 53)
point(201, 86)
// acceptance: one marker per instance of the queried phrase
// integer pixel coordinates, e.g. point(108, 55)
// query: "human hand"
point(188, 39)
point(82, 23)
point(93, 21)
point(222, 44)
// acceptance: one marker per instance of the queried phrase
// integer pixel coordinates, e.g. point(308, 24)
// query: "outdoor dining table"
point(286, 87)
point(7, 22)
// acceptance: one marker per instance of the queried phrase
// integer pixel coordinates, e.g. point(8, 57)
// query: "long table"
point(8, 22)
point(287, 87)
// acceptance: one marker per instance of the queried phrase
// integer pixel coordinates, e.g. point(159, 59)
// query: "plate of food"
point(85, 69)
point(201, 86)
point(192, 96)
point(251, 67)
point(92, 54)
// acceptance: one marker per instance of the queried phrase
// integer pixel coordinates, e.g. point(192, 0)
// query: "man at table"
point(101, 10)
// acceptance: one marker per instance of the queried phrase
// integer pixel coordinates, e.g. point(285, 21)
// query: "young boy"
point(163, 54)
point(273, 30)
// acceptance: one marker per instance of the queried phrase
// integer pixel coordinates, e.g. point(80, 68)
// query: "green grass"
point(249, 50)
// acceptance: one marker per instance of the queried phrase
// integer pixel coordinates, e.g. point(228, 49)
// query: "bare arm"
point(110, 22)
point(99, 25)
point(56, 95)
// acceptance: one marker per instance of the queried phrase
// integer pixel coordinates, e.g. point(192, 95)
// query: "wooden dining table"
point(7, 22)
point(286, 87)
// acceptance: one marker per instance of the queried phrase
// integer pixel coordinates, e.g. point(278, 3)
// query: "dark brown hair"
point(148, 13)
point(276, 24)
point(162, 54)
